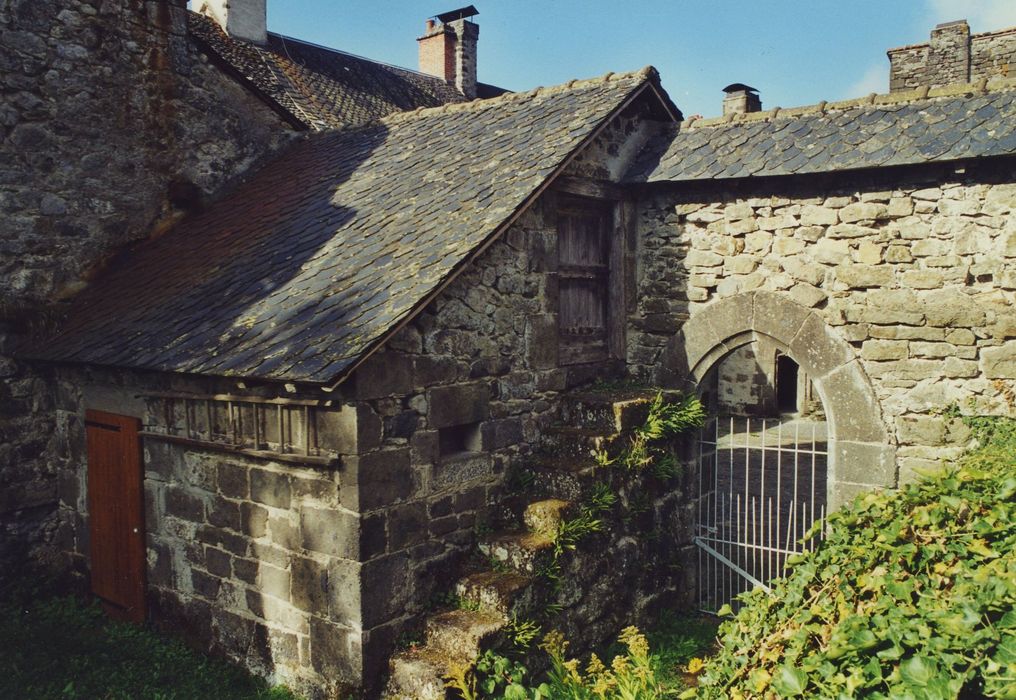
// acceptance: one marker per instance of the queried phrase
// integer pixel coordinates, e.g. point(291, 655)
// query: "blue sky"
point(794, 51)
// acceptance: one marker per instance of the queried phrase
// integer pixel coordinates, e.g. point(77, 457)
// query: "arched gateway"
point(749, 510)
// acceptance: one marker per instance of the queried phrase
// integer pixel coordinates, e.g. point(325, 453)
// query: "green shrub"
point(632, 675)
point(634, 672)
point(912, 595)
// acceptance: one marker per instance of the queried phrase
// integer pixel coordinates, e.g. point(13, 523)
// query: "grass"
point(58, 646)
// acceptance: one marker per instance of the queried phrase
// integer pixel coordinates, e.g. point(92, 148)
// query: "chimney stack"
point(241, 19)
point(741, 99)
point(448, 49)
point(949, 53)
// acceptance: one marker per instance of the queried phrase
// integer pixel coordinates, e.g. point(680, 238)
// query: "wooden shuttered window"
point(584, 229)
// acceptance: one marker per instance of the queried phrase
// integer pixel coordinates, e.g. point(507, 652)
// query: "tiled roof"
point(903, 128)
point(317, 87)
point(309, 264)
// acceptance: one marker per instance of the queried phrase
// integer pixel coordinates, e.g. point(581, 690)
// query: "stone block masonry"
point(254, 559)
point(914, 271)
point(462, 394)
point(112, 123)
point(953, 55)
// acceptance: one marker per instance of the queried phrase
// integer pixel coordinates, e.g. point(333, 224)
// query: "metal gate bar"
point(760, 488)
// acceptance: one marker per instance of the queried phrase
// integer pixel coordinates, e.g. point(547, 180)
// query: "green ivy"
point(912, 595)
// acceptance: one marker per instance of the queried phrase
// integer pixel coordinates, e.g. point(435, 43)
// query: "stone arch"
point(862, 456)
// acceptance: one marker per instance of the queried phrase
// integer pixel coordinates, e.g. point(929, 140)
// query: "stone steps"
point(608, 412)
point(565, 473)
point(502, 592)
point(453, 639)
point(463, 633)
point(570, 442)
point(524, 552)
point(419, 674)
point(567, 478)
point(545, 516)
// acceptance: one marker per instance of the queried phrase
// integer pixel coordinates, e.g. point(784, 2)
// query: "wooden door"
point(116, 513)
point(584, 230)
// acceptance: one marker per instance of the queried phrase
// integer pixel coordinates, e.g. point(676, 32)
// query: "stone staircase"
point(507, 583)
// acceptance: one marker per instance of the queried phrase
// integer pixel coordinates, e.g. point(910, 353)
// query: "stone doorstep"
point(523, 551)
point(567, 441)
point(463, 633)
point(605, 412)
point(419, 673)
point(545, 516)
point(501, 592)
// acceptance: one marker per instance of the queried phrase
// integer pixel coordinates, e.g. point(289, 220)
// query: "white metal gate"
point(761, 486)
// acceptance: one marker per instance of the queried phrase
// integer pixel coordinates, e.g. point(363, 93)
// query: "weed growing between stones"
point(648, 448)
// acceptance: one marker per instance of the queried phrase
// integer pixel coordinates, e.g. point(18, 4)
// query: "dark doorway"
point(786, 384)
point(116, 514)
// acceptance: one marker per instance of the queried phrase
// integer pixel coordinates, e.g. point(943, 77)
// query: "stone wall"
point(112, 125)
point(252, 558)
point(913, 270)
point(993, 54)
point(952, 56)
point(743, 382)
point(461, 394)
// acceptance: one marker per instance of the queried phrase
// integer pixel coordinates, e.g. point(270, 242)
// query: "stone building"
point(271, 354)
point(953, 55)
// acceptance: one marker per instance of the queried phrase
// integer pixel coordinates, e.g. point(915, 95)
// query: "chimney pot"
point(430, 25)
point(741, 99)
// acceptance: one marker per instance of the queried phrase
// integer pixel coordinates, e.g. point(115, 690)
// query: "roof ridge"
point(979, 87)
point(322, 47)
point(644, 73)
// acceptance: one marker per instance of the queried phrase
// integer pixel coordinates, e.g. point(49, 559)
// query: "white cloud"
point(982, 15)
point(874, 79)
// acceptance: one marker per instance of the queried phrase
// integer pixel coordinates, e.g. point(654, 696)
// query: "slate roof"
point(903, 128)
point(309, 264)
point(316, 87)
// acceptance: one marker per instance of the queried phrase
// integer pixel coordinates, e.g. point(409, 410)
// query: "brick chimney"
point(241, 19)
point(740, 99)
point(448, 49)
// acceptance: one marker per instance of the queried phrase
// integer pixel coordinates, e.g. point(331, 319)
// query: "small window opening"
point(458, 439)
point(786, 384)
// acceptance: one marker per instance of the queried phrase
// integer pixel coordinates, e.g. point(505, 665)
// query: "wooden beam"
point(586, 187)
point(322, 403)
point(314, 460)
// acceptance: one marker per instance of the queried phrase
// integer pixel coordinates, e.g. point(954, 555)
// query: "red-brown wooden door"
point(116, 513)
